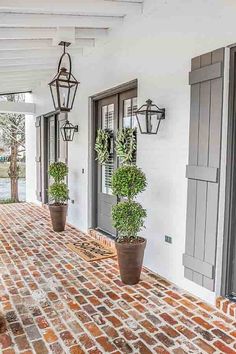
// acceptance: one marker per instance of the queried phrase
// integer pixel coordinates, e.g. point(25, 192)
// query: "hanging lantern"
point(68, 131)
point(64, 85)
point(149, 117)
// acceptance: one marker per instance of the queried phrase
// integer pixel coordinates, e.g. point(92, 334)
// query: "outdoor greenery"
point(4, 169)
point(103, 145)
point(128, 181)
point(58, 171)
point(6, 201)
point(126, 145)
point(12, 141)
point(128, 215)
point(58, 191)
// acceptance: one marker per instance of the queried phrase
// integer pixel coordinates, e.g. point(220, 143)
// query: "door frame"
point(230, 197)
point(92, 127)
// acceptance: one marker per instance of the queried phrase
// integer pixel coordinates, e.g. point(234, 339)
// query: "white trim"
point(17, 107)
point(221, 219)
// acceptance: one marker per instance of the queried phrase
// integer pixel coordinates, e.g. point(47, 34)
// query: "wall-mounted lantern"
point(64, 85)
point(149, 117)
point(68, 131)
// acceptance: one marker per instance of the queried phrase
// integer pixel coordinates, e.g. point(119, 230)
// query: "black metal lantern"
point(149, 117)
point(64, 85)
point(68, 131)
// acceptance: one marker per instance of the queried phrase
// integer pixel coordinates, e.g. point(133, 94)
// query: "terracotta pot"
point(58, 216)
point(130, 260)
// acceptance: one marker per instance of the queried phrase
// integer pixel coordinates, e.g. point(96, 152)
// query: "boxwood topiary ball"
point(128, 181)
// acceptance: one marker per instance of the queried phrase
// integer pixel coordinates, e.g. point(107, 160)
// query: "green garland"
point(102, 145)
point(126, 145)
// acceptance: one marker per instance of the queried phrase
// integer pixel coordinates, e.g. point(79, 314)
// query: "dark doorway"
point(50, 148)
point(229, 254)
point(111, 112)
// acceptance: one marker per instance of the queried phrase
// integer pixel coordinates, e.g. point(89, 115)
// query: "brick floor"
point(55, 302)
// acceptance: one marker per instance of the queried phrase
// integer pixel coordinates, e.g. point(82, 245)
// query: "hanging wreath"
point(103, 145)
point(126, 145)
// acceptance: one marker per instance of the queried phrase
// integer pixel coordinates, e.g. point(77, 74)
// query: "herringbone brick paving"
point(55, 302)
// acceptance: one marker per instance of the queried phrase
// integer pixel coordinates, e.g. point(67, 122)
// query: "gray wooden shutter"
point(62, 145)
point(206, 80)
point(38, 158)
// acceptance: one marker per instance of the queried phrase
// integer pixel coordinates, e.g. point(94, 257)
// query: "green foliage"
point(102, 145)
point(59, 192)
point(128, 218)
point(58, 171)
point(6, 201)
point(126, 145)
point(128, 181)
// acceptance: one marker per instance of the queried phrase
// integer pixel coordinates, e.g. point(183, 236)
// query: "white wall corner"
point(221, 217)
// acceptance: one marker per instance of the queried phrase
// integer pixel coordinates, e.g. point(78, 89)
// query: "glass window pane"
point(127, 114)
point(107, 171)
point(134, 109)
point(108, 168)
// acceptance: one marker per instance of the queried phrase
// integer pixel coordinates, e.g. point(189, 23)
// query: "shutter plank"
point(206, 73)
point(208, 174)
point(193, 155)
point(200, 220)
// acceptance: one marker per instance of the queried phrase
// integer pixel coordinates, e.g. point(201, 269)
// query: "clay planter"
point(58, 216)
point(130, 260)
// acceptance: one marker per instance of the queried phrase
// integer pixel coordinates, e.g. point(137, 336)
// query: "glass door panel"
point(108, 168)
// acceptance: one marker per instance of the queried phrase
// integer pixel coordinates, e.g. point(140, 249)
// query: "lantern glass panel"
point(63, 90)
point(53, 89)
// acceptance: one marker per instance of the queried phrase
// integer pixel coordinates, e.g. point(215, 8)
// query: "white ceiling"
point(30, 31)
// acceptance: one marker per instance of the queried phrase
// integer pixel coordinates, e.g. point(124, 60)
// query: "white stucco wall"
point(155, 48)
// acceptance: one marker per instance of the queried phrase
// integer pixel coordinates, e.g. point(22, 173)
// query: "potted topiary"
point(58, 195)
point(128, 218)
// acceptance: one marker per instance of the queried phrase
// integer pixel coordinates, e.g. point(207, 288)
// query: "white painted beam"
point(15, 44)
point(54, 52)
point(91, 32)
point(30, 61)
point(26, 74)
point(48, 33)
point(27, 68)
point(8, 19)
point(17, 107)
point(79, 7)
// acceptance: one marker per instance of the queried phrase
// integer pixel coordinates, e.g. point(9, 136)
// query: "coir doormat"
point(91, 250)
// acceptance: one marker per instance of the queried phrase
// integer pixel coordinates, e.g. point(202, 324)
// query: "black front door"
point(113, 113)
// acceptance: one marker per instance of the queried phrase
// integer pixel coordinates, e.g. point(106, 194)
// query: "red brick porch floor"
point(55, 302)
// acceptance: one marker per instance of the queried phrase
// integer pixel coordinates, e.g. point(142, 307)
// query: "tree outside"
point(12, 146)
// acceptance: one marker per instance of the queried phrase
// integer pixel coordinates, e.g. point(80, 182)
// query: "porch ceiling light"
point(68, 131)
point(64, 85)
point(149, 117)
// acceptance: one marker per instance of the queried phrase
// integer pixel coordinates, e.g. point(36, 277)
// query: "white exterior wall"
point(155, 48)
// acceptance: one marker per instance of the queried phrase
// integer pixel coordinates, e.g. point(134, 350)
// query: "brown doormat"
point(91, 250)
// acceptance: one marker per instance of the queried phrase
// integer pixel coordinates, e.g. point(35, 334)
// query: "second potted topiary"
point(58, 195)
point(128, 218)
